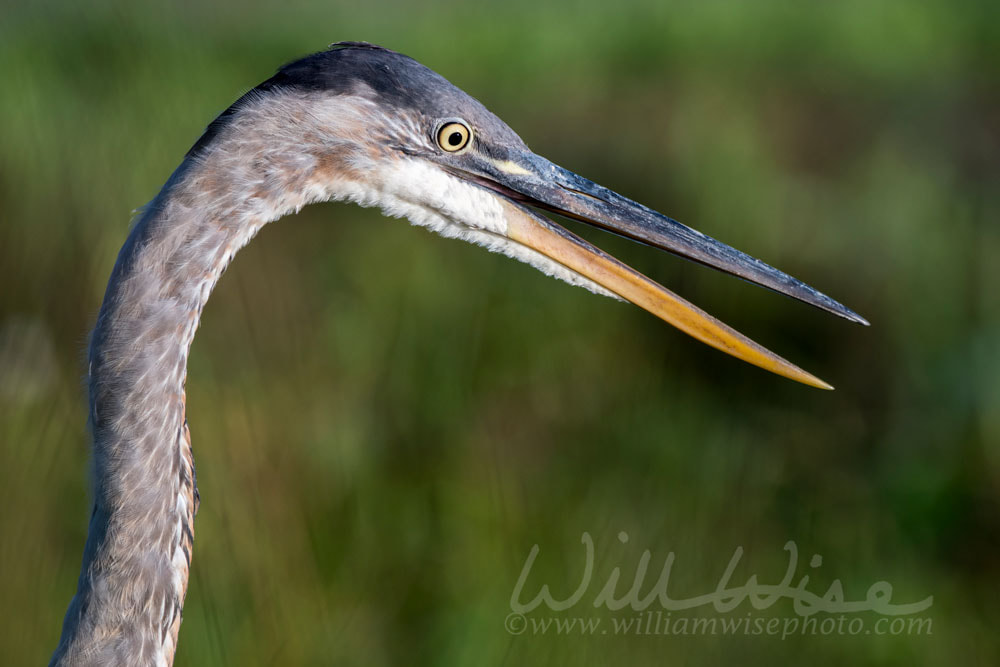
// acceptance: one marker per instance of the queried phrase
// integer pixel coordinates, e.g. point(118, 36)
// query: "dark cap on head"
point(391, 79)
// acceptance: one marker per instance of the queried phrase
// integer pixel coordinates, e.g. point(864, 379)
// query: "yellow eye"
point(454, 136)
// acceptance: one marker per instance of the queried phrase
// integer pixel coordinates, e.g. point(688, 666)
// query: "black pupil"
point(455, 138)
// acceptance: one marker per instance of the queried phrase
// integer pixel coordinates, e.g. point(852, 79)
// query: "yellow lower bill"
point(541, 235)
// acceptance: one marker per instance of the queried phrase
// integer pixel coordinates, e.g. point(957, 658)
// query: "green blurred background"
point(385, 422)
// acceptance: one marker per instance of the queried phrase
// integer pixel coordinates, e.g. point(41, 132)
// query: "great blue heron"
point(355, 122)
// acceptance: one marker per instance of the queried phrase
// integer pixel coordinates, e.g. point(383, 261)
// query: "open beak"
point(534, 181)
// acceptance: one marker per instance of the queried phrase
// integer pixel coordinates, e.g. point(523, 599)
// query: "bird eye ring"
point(454, 136)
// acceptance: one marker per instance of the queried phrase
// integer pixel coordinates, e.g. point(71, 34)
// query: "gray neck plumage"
point(127, 609)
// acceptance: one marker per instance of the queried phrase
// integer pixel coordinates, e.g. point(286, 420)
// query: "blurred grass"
point(385, 422)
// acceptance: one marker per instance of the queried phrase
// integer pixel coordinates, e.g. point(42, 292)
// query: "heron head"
point(419, 147)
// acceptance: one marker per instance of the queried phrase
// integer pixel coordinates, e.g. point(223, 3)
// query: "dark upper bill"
point(561, 191)
point(532, 180)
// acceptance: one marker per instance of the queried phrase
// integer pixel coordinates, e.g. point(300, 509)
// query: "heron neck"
point(135, 566)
